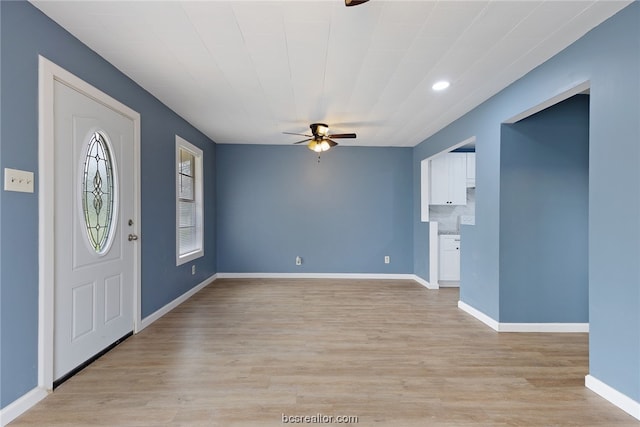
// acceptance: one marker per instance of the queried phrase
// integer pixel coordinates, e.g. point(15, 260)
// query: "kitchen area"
point(452, 192)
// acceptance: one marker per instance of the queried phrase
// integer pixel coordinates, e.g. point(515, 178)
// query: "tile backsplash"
point(447, 216)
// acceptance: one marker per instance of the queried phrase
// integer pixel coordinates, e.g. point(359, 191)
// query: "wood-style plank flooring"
point(392, 353)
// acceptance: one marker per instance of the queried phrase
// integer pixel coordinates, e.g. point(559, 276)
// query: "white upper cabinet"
point(448, 182)
point(471, 170)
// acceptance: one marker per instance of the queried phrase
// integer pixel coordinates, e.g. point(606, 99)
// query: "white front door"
point(94, 210)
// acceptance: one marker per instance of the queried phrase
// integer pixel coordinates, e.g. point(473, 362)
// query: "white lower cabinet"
point(449, 257)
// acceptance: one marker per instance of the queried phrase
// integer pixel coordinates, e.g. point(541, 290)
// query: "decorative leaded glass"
point(98, 192)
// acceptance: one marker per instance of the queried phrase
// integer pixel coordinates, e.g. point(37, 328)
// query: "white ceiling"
point(246, 71)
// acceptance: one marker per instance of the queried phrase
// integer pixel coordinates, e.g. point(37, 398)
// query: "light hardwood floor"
point(392, 353)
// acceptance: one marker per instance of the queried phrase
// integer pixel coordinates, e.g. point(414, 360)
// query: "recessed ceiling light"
point(441, 85)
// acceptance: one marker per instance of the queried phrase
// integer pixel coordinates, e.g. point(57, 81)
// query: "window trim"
point(182, 144)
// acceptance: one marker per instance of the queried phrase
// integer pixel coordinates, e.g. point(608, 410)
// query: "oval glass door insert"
point(98, 193)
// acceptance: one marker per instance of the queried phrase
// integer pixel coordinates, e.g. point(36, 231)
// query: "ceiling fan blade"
point(300, 134)
point(354, 2)
point(342, 135)
point(331, 143)
point(304, 140)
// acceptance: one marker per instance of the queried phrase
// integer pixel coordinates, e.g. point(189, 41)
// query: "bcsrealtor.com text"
point(319, 419)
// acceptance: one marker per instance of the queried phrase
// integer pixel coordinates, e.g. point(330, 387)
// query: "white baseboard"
point(524, 327)
point(176, 302)
point(316, 276)
point(479, 315)
point(609, 393)
point(21, 405)
point(348, 276)
point(424, 282)
point(544, 327)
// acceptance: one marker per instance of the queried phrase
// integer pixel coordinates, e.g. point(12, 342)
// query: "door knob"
point(133, 237)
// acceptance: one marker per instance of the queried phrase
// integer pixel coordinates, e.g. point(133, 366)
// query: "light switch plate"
point(18, 180)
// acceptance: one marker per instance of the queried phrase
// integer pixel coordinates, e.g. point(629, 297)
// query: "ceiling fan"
point(354, 2)
point(320, 140)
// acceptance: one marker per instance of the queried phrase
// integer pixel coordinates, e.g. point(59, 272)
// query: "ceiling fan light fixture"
point(318, 146)
point(314, 146)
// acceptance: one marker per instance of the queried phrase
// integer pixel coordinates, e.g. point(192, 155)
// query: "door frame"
point(48, 73)
point(434, 244)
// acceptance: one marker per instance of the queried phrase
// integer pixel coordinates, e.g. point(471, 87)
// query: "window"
point(98, 193)
point(189, 203)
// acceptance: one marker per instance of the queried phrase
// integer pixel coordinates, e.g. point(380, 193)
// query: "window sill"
point(183, 259)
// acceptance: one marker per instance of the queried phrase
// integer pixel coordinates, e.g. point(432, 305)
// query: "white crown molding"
point(609, 393)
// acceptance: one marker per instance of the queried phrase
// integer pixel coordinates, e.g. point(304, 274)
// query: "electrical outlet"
point(387, 260)
point(193, 269)
point(298, 260)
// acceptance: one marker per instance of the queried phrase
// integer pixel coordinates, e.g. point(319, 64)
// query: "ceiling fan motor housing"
point(319, 129)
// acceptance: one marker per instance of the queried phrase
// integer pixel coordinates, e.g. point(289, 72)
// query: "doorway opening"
point(447, 202)
point(544, 205)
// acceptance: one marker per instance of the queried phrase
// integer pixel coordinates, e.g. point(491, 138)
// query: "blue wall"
point(25, 33)
point(342, 215)
point(360, 200)
point(608, 57)
point(544, 204)
point(479, 262)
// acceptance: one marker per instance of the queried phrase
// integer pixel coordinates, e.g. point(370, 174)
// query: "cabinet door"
point(471, 170)
point(450, 257)
point(449, 179)
point(439, 181)
point(457, 178)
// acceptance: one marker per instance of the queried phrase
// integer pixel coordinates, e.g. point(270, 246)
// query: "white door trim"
point(48, 72)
